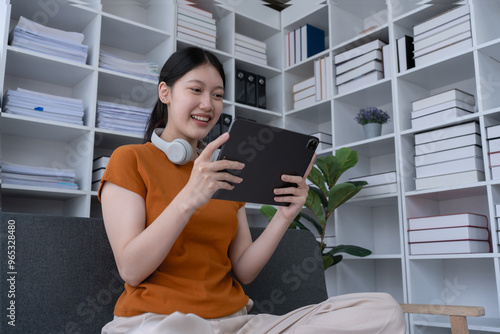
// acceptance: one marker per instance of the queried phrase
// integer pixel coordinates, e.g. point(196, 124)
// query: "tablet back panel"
point(267, 152)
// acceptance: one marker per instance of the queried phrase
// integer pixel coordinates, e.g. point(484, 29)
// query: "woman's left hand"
point(296, 196)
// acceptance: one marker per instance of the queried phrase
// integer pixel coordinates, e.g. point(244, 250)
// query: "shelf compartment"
point(489, 76)
point(485, 20)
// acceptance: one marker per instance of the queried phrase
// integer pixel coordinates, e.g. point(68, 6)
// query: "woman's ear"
point(164, 93)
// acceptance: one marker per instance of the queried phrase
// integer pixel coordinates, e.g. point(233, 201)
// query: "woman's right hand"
point(209, 176)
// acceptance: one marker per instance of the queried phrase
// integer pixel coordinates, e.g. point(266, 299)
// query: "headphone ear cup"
point(179, 152)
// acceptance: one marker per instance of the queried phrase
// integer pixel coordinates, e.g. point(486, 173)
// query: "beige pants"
point(358, 313)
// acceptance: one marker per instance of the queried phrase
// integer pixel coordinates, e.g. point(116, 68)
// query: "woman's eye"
point(218, 95)
point(197, 90)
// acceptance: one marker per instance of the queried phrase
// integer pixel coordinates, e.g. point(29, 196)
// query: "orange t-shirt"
point(195, 276)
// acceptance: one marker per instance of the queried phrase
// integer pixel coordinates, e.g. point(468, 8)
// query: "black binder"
point(251, 89)
point(240, 86)
point(261, 92)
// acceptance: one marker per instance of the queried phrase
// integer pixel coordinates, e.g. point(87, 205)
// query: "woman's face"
point(194, 103)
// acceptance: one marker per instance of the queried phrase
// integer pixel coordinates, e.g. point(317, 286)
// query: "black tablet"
point(267, 152)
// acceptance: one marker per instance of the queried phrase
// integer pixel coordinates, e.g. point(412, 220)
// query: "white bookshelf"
point(146, 30)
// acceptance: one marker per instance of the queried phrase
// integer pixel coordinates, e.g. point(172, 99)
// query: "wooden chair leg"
point(459, 324)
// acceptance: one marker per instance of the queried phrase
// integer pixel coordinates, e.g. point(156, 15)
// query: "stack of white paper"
point(58, 43)
point(250, 49)
point(144, 69)
point(380, 183)
point(196, 25)
point(38, 176)
point(493, 137)
point(120, 117)
point(44, 106)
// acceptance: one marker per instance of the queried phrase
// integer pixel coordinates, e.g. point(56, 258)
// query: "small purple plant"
point(372, 115)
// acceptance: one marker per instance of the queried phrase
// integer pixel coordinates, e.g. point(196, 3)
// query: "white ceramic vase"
point(372, 130)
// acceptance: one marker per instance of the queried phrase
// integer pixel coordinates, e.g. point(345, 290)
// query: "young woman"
point(175, 247)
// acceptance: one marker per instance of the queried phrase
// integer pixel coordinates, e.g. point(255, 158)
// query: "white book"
point(293, 58)
point(250, 58)
point(442, 36)
point(298, 47)
point(450, 167)
point(380, 189)
point(447, 132)
point(308, 101)
point(442, 27)
point(250, 40)
point(448, 220)
point(182, 19)
point(323, 78)
point(442, 44)
point(360, 82)
point(493, 132)
point(438, 117)
point(449, 180)
point(446, 96)
point(196, 10)
point(497, 213)
point(190, 12)
point(194, 39)
point(449, 233)
point(494, 159)
point(448, 144)
point(100, 162)
point(358, 51)
point(361, 60)
point(374, 65)
point(250, 46)
point(329, 77)
point(207, 29)
point(495, 172)
point(443, 52)
point(442, 156)
point(304, 93)
point(442, 106)
point(450, 247)
point(376, 179)
point(250, 52)
point(440, 19)
point(317, 79)
point(287, 50)
point(494, 145)
point(197, 33)
point(387, 60)
point(303, 85)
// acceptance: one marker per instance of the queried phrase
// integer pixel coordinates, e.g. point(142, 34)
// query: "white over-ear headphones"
point(179, 151)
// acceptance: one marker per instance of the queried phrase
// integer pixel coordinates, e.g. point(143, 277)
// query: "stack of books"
point(250, 49)
point(359, 66)
point(443, 35)
point(120, 117)
point(448, 156)
point(302, 43)
point(493, 138)
point(43, 106)
point(47, 177)
point(316, 88)
point(304, 93)
point(441, 107)
point(380, 183)
point(141, 68)
point(325, 140)
point(50, 41)
point(449, 234)
point(196, 25)
point(98, 168)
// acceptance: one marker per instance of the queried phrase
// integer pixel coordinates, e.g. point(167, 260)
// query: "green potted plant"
point(372, 119)
point(325, 195)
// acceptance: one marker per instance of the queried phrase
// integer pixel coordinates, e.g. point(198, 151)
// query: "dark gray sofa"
point(62, 277)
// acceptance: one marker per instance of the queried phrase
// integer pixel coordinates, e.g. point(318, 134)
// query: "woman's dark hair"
point(178, 64)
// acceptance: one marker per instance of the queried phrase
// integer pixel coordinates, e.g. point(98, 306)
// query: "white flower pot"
point(372, 130)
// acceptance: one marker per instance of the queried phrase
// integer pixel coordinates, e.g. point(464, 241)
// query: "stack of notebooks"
point(45, 177)
point(359, 66)
point(449, 234)
point(442, 107)
point(196, 25)
point(98, 168)
point(120, 117)
point(448, 156)
point(250, 49)
point(443, 35)
point(43, 106)
point(493, 138)
point(381, 183)
point(316, 88)
point(50, 41)
point(302, 43)
point(141, 68)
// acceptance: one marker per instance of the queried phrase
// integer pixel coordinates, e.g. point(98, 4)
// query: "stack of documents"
point(38, 176)
point(44, 106)
point(58, 43)
point(120, 117)
point(196, 25)
point(144, 69)
point(250, 49)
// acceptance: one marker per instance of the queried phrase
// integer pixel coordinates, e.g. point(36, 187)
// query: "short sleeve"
point(123, 170)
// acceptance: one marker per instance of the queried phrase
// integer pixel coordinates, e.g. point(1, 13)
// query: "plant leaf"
point(296, 224)
point(313, 202)
point(322, 195)
point(268, 211)
point(351, 250)
point(313, 221)
point(329, 166)
point(341, 193)
point(331, 260)
point(347, 158)
point(318, 179)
